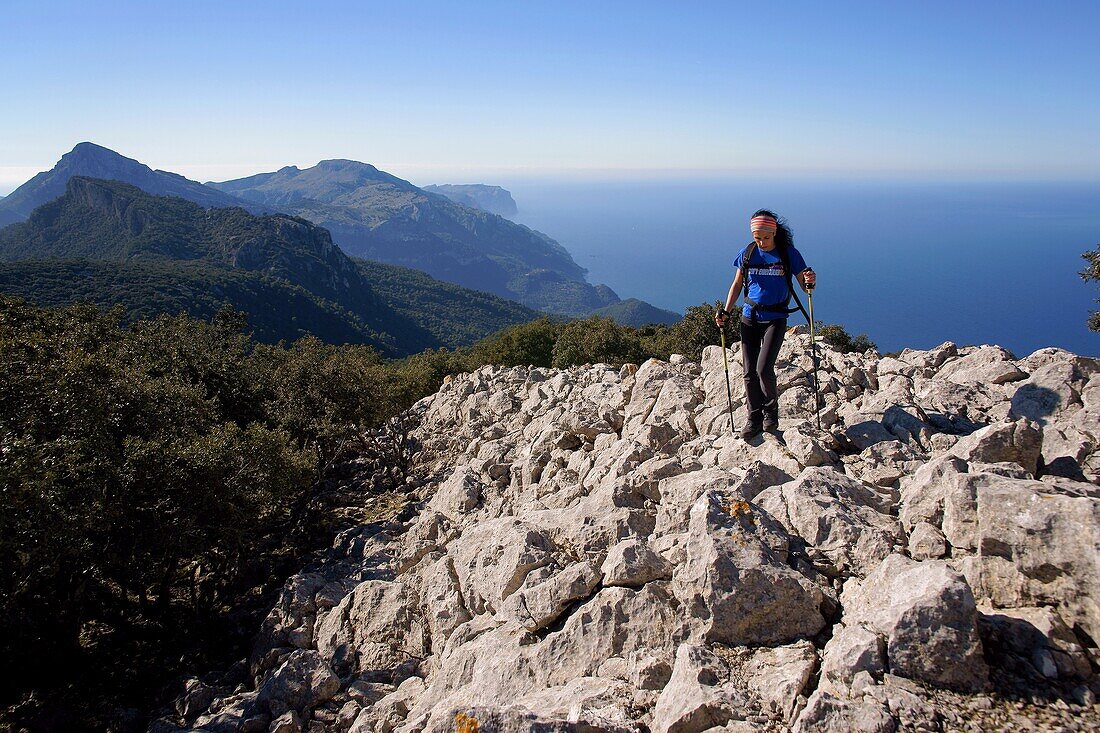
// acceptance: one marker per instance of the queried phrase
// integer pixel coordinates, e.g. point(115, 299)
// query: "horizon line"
point(12, 177)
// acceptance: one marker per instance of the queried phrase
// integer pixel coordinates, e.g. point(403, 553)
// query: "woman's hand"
point(720, 317)
point(809, 279)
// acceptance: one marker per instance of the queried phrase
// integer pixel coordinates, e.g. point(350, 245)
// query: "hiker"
point(772, 260)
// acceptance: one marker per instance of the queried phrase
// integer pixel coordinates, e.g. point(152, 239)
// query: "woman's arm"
point(735, 290)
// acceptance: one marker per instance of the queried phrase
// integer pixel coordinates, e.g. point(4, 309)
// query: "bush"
point(1092, 272)
point(597, 340)
point(836, 336)
point(526, 344)
point(694, 333)
point(149, 477)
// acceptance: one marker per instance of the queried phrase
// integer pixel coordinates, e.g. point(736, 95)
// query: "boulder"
point(633, 563)
point(1016, 442)
point(826, 713)
point(1053, 391)
point(389, 713)
point(374, 631)
point(592, 702)
point(288, 722)
point(458, 495)
point(854, 649)
point(229, 714)
point(1040, 548)
point(923, 492)
point(695, 698)
point(735, 585)
point(1037, 637)
point(492, 559)
point(926, 542)
point(926, 614)
point(779, 675)
point(865, 433)
point(299, 683)
point(987, 365)
point(843, 519)
point(540, 605)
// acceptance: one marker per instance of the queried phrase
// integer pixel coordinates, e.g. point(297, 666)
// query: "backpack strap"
point(785, 256)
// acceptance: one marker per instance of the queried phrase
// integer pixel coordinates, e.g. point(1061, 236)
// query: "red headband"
point(763, 222)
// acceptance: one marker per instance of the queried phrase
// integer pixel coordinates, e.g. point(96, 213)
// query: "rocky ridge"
point(591, 550)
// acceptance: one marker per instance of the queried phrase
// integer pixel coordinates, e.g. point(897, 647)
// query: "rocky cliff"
point(494, 199)
point(591, 550)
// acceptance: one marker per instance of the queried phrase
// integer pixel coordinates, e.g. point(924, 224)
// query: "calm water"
point(911, 264)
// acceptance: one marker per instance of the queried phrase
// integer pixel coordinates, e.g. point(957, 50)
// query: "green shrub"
point(526, 344)
point(597, 340)
point(836, 336)
point(1092, 272)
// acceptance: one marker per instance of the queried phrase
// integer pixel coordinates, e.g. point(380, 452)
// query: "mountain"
point(492, 199)
point(110, 242)
point(634, 312)
point(94, 161)
point(378, 216)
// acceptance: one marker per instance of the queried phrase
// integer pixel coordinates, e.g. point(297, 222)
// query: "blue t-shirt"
point(767, 283)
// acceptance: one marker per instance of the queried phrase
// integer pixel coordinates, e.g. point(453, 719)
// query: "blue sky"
point(438, 91)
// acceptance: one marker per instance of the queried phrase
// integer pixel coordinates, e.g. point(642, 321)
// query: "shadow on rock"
point(1035, 402)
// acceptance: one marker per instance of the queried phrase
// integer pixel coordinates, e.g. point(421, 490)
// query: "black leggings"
point(759, 349)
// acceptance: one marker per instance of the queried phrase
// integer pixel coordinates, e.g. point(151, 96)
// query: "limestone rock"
point(458, 495)
point(493, 558)
point(1038, 636)
point(633, 563)
point(540, 605)
point(826, 713)
point(927, 615)
point(845, 520)
point(374, 630)
point(1040, 548)
point(926, 542)
point(736, 584)
point(300, 682)
point(694, 698)
point(592, 549)
point(779, 675)
point(1018, 442)
point(288, 722)
point(987, 365)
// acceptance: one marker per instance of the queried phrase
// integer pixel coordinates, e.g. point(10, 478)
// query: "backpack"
point(785, 259)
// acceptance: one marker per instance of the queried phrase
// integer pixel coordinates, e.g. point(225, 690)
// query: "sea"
point(909, 264)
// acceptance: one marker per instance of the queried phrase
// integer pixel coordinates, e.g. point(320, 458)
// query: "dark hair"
point(783, 236)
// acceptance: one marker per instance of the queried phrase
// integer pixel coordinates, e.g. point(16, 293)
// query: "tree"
point(597, 340)
point(522, 345)
point(1092, 272)
point(695, 332)
point(835, 335)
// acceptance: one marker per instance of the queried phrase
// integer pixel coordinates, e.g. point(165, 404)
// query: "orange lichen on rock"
point(740, 509)
point(465, 723)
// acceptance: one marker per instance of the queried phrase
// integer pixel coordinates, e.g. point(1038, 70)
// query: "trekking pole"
point(813, 357)
point(726, 364)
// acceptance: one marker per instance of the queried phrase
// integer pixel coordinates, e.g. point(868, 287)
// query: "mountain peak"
point(345, 164)
point(95, 161)
point(86, 152)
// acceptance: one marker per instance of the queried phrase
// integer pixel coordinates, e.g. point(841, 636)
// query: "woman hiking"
point(764, 315)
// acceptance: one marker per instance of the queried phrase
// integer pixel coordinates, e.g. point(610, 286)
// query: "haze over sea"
point(911, 264)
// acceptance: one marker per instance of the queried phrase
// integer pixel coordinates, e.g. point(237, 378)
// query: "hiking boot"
point(751, 430)
point(771, 421)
